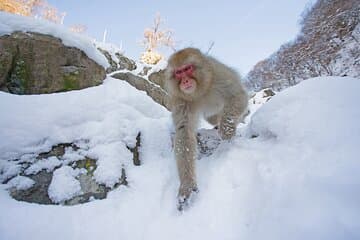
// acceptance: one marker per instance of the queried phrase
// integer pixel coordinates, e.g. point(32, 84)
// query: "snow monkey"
point(200, 85)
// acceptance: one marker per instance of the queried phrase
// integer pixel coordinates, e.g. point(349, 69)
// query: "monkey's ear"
point(169, 73)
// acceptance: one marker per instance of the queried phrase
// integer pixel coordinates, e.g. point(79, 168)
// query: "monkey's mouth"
point(189, 89)
point(187, 85)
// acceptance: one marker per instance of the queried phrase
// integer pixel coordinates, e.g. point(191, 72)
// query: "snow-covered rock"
point(44, 164)
point(64, 185)
point(21, 183)
point(10, 23)
point(33, 63)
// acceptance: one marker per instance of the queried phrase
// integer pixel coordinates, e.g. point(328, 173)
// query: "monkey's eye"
point(190, 68)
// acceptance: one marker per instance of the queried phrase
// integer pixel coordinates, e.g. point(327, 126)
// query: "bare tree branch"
point(210, 47)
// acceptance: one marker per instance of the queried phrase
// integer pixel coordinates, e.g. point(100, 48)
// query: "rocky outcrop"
point(33, 63)
point(118, 61)
point(158, 78)
point(125, 63)
point(156, 92)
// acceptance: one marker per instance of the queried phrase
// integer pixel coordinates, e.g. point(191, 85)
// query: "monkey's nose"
point(186, 80)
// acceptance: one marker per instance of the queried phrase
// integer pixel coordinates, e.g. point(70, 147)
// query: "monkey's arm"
point(185, 148)
point(234, 109)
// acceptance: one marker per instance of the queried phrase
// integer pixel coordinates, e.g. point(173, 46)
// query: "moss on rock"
point(18, 81)
point(71, 81)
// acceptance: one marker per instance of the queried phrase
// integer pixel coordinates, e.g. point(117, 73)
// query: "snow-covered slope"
point(297, 180)
point(104, 119)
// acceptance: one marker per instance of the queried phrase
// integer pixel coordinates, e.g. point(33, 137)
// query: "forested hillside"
point(328, 45)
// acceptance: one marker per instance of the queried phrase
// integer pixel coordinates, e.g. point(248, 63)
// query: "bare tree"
point(35, 8)
point(155, 37)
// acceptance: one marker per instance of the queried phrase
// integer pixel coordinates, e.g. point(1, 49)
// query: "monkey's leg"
point(185, 154)
point(232, 114)
point(185, 144)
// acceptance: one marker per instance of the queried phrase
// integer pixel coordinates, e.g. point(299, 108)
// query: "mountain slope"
point(327, 45)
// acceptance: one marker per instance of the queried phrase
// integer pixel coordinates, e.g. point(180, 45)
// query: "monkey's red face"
point(184, 75)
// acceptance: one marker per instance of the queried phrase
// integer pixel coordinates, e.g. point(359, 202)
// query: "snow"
point(10, 23)
point(111, 48)
point(48, 164)
point(113, 157)
point(101, 115)
point(8, 170)
point(71, 155)
point(64, 185)
point(297, 180)
point(256, 101)
point(21, 183)
point(316, 106)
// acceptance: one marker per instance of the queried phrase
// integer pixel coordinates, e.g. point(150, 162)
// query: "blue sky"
point(244, 32)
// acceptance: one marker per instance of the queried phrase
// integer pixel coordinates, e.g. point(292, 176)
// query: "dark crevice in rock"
point(10, 85)
point(123, 179)
point(58, 150)
point(135, 150)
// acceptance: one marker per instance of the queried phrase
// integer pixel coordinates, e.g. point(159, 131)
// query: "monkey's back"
point(226, 81)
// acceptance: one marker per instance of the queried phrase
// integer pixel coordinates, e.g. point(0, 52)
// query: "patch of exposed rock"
point(38, 192)
point(118, 61)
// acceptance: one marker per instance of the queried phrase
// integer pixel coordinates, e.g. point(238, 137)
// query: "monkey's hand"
point(227, 128)
point(185, 196)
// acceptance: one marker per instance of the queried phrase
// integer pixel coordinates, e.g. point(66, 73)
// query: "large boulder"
point(34, 63)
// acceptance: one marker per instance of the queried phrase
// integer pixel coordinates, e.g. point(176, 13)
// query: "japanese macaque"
point(200, 85)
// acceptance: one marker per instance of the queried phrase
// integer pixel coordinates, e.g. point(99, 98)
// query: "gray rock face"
point(145, 71)
point(158, 78)
point(208, 140)
point(36, 194)
point(125, 63)
point(33, 63)
point(113, 65)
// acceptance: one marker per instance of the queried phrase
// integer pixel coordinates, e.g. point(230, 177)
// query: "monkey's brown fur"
point(219, 97)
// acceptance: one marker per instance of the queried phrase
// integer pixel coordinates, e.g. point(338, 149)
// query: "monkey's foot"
point(184, 201)
point(227, 128)
point(227, 133)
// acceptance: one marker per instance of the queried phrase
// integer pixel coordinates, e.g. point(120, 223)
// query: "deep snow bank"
point(320, 111)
